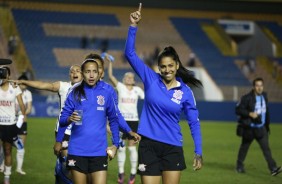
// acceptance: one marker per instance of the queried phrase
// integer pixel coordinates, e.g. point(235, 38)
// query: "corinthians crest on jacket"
point(177, 96)
point(101, 102)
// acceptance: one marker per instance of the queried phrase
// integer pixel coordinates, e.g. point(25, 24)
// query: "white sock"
point(20, 158)
point(7, 171)
point(121, 157)
point(133, 158)
point(2, 159)
point(6, 178)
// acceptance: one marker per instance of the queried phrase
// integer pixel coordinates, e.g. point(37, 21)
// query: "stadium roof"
point(252, 6)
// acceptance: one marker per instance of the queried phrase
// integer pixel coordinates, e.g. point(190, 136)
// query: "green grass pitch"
point(220, 146)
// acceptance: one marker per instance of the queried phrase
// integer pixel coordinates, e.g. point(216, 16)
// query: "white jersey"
point(63, 93)
point(8, 105)
point(127, 101)
point(27, 97)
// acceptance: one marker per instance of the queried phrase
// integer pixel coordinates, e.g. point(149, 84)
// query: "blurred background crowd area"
point(226, 43)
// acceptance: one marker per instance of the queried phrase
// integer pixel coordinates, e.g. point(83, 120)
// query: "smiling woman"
point(171, 67)
point(161, 144)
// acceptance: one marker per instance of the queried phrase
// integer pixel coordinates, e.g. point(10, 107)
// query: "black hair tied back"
point(186, 75)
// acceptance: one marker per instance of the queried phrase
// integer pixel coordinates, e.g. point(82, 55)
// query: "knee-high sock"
point(7, 171)
point(121, 157)
point(133, 159)
point(2, 159)
point(20, 158)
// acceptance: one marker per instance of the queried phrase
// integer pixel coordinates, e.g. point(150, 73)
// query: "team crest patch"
point(142, 167)
point(177, 96)
point(101, 100)
point(71, 163)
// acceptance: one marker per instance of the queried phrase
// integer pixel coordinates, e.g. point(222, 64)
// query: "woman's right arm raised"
point(135, 17)
point(142, 70)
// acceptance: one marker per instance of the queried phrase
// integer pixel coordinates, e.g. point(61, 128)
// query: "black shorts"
point(65, 141)
point(87, 165)
point(8, 132)
point(154, 157)
point(134, 126)
point(23, 129)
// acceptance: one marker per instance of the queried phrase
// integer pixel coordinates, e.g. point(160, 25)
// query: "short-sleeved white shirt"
point(27, 97)
point(63, 93)
point(8, 105)
point(128, 100)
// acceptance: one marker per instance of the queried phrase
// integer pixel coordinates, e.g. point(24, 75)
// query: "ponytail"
point(79, 92)
point(186, 75)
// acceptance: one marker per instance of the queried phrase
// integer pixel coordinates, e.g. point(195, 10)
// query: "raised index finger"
point(140, 7)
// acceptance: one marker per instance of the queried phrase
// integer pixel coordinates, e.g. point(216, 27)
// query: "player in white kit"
point(128, 95)
point(62, 88)
point(8, 129)
point(22, 133)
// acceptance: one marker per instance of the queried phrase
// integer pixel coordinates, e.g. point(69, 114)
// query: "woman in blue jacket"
point(166, 96)
point(87, 151)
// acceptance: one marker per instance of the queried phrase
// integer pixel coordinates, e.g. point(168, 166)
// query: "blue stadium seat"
point(221, 68)
point(30, 26)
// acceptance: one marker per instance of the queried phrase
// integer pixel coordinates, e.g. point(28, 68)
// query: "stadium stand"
point(221, 68)
point(275, 28)
point(52, 38)
point(3, 49)
point(40, 46)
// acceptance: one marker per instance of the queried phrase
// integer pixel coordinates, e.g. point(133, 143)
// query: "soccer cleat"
point(276, 171)
point(120, 178)
point(21, 172)
point(240, 170)
point(131, 179)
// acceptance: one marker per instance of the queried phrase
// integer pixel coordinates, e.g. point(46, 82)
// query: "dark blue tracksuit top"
point(162, 108)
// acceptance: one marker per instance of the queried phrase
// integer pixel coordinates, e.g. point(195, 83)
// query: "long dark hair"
point(78, 91)
point(186, 75)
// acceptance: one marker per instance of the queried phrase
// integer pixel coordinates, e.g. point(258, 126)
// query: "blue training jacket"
point(162, 108)
point(122, 123)
point(90, 138)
